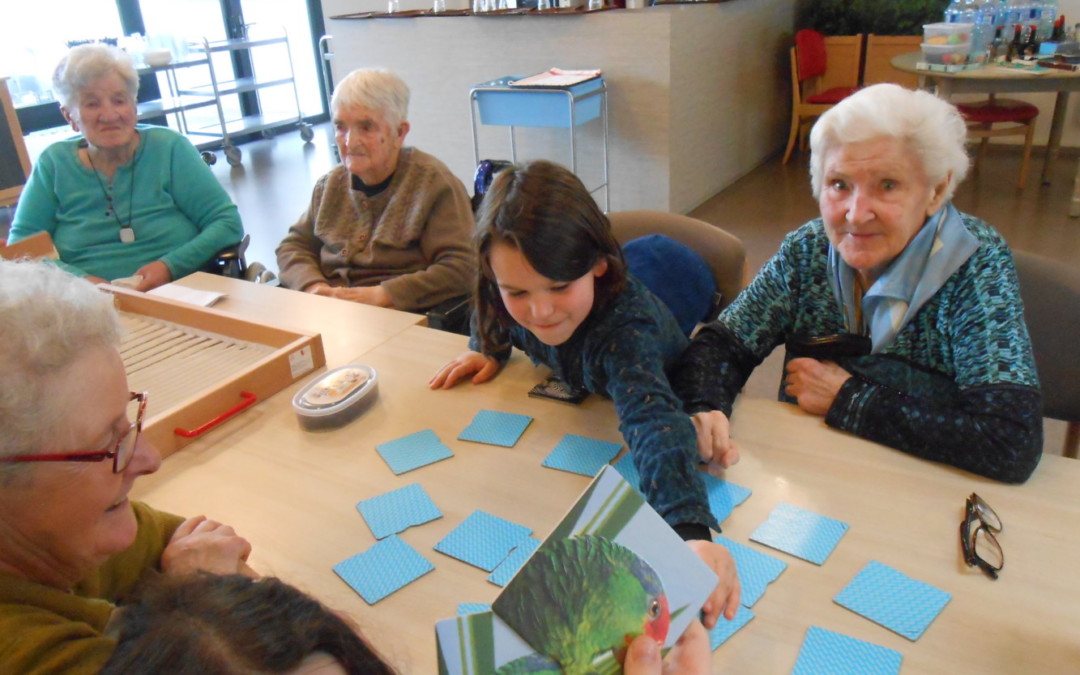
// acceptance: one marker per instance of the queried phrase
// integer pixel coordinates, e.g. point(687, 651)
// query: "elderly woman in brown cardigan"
point(391, 226)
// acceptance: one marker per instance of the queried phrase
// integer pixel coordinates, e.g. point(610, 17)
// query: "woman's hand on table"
point(814, 384)
point(200, 544)
point(690, 655)
point(367, 295)
point(153, 275)
point(724, 599)
point(482, 368)
point(714, 439)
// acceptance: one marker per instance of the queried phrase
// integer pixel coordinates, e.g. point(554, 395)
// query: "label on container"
point(335, 387)
point(301, 362)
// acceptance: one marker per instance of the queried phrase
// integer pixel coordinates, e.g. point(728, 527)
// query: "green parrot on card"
point(581, 598)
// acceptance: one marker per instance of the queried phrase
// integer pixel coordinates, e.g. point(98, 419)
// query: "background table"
point(293, 493)
point(994, 79)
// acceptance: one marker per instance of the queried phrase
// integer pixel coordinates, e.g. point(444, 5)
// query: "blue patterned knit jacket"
point(623, 350)
point(957, 386)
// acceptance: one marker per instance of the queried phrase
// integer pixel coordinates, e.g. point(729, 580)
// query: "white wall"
point(697, 93)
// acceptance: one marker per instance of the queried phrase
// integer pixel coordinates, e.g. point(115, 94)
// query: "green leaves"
point(881, 17)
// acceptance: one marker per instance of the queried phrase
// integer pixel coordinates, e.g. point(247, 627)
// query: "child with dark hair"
point(553, 283)
point(225, 625)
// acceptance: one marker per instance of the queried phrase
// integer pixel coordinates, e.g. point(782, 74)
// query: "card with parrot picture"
point(611, 570)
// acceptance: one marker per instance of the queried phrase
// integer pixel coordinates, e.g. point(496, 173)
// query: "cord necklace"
point(127, 234)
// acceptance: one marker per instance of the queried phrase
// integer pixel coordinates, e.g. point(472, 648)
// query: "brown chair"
point(1001, 117)
point(1051, 294)
point(16, 167)
point(723, 252)
point(35, 247)
point(880, 51)
point(824, 71)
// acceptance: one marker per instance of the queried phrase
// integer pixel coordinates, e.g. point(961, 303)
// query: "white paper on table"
point(189, 295)
point(557, 77)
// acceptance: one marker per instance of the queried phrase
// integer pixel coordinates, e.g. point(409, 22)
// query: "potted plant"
point(880, 17)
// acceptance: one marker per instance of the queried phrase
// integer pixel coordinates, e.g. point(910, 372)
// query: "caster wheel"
point(209, 157)
point(306, 133)
point(233, 155)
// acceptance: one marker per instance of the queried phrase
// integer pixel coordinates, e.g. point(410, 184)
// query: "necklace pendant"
point(127, 235)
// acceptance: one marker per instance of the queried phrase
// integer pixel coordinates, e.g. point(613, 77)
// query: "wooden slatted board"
point(195, 362)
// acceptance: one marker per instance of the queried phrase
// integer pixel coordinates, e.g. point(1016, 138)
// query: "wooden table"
point(994, 79)
point(348, 328)
point(293, 493)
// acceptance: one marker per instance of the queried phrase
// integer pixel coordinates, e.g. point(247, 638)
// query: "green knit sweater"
point(47, 630)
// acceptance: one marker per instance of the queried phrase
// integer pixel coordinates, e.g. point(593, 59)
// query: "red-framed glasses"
point(121, 453)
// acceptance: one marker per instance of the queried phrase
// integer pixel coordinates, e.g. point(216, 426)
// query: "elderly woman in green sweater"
point(390, 226)
point(122, 199)
point(72, 544)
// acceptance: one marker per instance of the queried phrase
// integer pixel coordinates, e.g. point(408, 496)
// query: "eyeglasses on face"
point(121, 453)
point(981, 547)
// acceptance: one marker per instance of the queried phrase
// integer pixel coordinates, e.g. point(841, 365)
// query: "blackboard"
point(14, 162)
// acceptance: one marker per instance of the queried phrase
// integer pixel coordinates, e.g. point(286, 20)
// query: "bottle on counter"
point(998, 46)
point(1031, 47)
point(952, 12)
point(1016, 47)
point(1048, 14)
point(1058, 33)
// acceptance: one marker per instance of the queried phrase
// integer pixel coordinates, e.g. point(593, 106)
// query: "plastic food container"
point(947, 33)
point(948, 55)
point(336, 398)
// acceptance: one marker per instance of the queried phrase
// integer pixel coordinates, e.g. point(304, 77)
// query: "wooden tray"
point(206, 365)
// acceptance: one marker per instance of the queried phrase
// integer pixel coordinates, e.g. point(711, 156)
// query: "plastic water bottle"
point(952, 12)
point(1050, 9)
point(983, 32)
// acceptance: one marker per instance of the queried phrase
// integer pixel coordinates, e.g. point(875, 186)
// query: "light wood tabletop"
point(293, 493)
point(348, 328)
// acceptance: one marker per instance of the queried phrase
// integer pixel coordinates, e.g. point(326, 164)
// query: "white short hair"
point(48, 320)
point(375, 88)
point(930, 126)
point(86, 63)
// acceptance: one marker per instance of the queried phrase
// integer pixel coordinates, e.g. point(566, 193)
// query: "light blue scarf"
point(941, 247)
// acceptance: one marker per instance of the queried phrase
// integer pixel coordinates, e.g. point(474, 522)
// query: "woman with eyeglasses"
point(72, 545)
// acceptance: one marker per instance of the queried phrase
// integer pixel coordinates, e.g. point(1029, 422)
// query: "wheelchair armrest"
point(230, 261)
point(451, 315)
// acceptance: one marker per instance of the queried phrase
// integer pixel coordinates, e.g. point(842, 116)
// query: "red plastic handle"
point(249, 400)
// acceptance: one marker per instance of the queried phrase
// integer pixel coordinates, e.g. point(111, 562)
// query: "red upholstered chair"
point(1001, 117)
point(824, 70)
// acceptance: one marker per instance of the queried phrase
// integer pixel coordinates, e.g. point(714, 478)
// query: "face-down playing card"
point(581, 455)
point(413, 451)
point(756, 569)
point(382, 569)
point(825, 652)
point(801, 533)
point(398, 510)
point(483, 540)
point(495, 428)
point(891, 598)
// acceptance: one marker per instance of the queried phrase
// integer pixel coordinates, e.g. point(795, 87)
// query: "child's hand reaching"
point(724, 598)
point(464, 365)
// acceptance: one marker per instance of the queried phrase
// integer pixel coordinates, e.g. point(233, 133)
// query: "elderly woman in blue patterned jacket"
point(902, 316)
